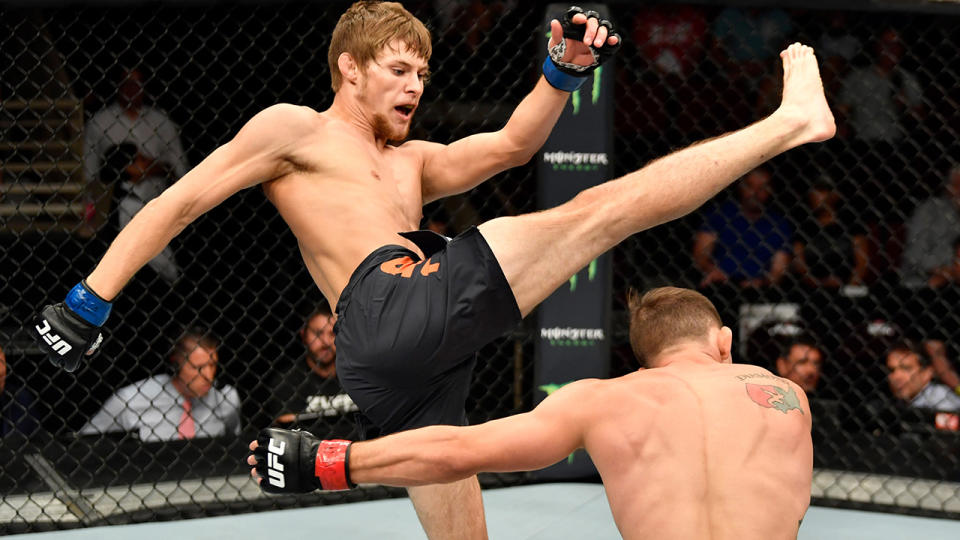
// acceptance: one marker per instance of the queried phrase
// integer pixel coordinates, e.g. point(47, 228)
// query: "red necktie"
point(187, 429)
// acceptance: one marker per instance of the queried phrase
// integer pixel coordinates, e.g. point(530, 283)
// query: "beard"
point(382, 129)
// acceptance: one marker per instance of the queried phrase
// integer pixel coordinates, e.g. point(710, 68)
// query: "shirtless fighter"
point(346, 194)
point(412, 309)
point(693, 447)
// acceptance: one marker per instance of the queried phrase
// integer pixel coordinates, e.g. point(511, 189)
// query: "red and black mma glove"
point(294, 461)
point(567, 76)
point(70, 330)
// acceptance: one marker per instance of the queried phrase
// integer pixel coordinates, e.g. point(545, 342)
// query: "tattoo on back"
point(774, 397)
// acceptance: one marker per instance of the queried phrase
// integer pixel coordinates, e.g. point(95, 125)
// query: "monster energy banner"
point(574, 323)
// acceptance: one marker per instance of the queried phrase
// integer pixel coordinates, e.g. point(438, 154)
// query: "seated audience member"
point(184, 405)
point(16, 405)
point(942, 368)
point(910, 377)
point(930, 251)
point(801, 361)
point(830, 249)
point(135, 148)
point(309, 396)
point(949, 274)
point(744, 242)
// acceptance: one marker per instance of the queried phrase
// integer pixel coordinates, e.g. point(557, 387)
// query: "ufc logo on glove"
point(274, 467)
point(61, 347)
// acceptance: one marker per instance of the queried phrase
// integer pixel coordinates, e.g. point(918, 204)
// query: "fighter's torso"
point(711, 452)
point(344, 198)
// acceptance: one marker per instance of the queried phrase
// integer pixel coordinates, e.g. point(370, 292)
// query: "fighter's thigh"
point(538, 252)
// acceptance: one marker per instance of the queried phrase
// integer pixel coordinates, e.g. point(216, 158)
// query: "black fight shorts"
point(408, 330)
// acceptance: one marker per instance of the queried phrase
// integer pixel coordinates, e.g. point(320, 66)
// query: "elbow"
point(459, 461)
point(455, 469)
point(517, 151)
point(521, 157)
point(174, 216)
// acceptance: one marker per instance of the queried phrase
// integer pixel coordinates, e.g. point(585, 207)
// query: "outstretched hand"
point(578, 51)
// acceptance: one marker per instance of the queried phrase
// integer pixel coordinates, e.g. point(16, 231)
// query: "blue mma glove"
point(70, 330)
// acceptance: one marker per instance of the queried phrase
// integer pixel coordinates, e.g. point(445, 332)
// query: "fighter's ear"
point(348, 67)
point(725, 344)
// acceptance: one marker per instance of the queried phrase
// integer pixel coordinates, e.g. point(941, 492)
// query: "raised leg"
point(540, 251)
point(450, 511)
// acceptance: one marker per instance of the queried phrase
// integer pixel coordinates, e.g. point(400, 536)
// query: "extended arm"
point(70, 330)
point(291, 461)
point(463, 164)
point(255, 155)
point(440, 454)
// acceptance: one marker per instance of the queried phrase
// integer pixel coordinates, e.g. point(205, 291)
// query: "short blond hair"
point(366, 27)
point(666, 316)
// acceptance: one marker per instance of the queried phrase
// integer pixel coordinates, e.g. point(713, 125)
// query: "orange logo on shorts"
point(404, 266)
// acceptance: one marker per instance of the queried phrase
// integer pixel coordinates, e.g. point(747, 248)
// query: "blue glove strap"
point(88, 305)
point(559, 79)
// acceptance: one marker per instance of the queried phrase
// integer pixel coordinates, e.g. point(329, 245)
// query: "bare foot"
point(803, 100)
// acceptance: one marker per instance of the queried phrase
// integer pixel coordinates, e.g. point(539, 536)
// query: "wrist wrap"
point(87, 304)
point(559, 79)
point(332, 465)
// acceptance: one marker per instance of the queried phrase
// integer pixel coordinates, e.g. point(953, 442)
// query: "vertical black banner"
point(574, 322)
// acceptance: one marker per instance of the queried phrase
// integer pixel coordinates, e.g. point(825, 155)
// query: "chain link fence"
point(849, 247)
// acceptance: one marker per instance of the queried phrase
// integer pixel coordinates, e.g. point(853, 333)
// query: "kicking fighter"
point(692, 447)
point(412, 309)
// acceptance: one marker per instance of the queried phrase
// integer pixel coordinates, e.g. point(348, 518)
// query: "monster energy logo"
point(572, 337)
point(576, 161)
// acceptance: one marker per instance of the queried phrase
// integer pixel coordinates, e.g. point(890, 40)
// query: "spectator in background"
point(438, 221)
point(801, 361)
point(910, 376)
point(744, 242)
point(949, 275)
point(469, 21)
point(880, 99)
point(184, 405)
point(672, 42)
point(17, 414)
point(836, 48)
point(136, 149)
point(942, 369)
point(930, 255)
point(829, 251)
point(671, 38)
point(312, 398)
point(750, 37)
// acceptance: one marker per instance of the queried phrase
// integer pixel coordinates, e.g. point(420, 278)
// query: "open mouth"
point(406, 111)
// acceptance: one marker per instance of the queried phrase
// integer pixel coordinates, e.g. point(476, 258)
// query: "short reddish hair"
point(367, 26)
point(666, 316)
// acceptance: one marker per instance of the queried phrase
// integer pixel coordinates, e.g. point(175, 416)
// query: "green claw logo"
point(591, 275)
point(594, 94)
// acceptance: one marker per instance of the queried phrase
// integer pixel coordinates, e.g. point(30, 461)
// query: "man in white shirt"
point(158, 161)
point(185, 405)
point(910, 377)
